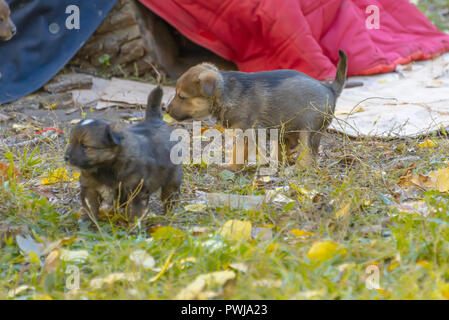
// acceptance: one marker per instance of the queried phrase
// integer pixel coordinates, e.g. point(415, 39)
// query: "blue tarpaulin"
point(43, 43)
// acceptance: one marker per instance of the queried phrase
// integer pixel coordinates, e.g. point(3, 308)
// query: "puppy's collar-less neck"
point(216, 108)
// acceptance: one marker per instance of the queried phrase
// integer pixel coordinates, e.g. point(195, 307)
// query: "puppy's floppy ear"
point(114, 137)
point(208, 82)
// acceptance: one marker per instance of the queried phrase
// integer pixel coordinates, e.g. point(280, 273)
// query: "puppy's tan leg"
point(90, 200)
point(286, 154)
point(233, 165)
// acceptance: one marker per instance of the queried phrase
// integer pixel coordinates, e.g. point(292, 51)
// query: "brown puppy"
point(7, 27)
point(125, 165)
point(287, 99)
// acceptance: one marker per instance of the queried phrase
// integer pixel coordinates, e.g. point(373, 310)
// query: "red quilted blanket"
point(305, 35)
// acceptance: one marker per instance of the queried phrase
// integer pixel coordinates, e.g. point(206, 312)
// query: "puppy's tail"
point(340, 78)
point(154, 104)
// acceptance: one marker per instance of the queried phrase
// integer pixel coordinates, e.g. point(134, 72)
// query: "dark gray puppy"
point(125, 164)
point(299, 104)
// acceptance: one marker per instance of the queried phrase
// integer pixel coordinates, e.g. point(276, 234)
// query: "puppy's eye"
point(1, 20)
point(181, 96)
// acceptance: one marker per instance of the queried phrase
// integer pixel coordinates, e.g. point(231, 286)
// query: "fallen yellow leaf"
point(272, 247)
point(238, 266)
point(300, 233)
point(436, 180)
point(21, 127)
point(52, 261)
point(162, 233)
point(50, 107)
point(441, 179)
point(34, 258)
point(74, 255)
point(323, 250)
point(60, 175)
point(393, 266)
point(356, 110)
point(343, 212)
point(97, 283)
point(196, 207)
point(167, 118)
point(427, 144)
point(194, 289)
point(16, 291)
point(236, 230)
point(445, 291)
point(42, 297)
point(423, 263)
point(164, 268)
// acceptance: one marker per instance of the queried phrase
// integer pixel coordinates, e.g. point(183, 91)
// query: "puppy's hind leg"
point(306, 155)
point(315, 139)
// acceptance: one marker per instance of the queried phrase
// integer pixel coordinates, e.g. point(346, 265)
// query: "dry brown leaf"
point(58, 243)
point(436, 180)
point(441, 179)
point(4, 170)
point(52, 261)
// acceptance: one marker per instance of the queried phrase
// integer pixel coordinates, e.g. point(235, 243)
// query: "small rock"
point(67, 82)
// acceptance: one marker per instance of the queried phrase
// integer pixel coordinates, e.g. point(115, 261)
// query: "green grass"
point(410, 251)
point(437, 11)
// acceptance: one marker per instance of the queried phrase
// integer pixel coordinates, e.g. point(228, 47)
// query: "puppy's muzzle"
point(176, 114)
point(11, 32)
point(13, 29)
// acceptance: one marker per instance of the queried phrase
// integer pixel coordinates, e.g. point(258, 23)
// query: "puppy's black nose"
point(13, 30)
